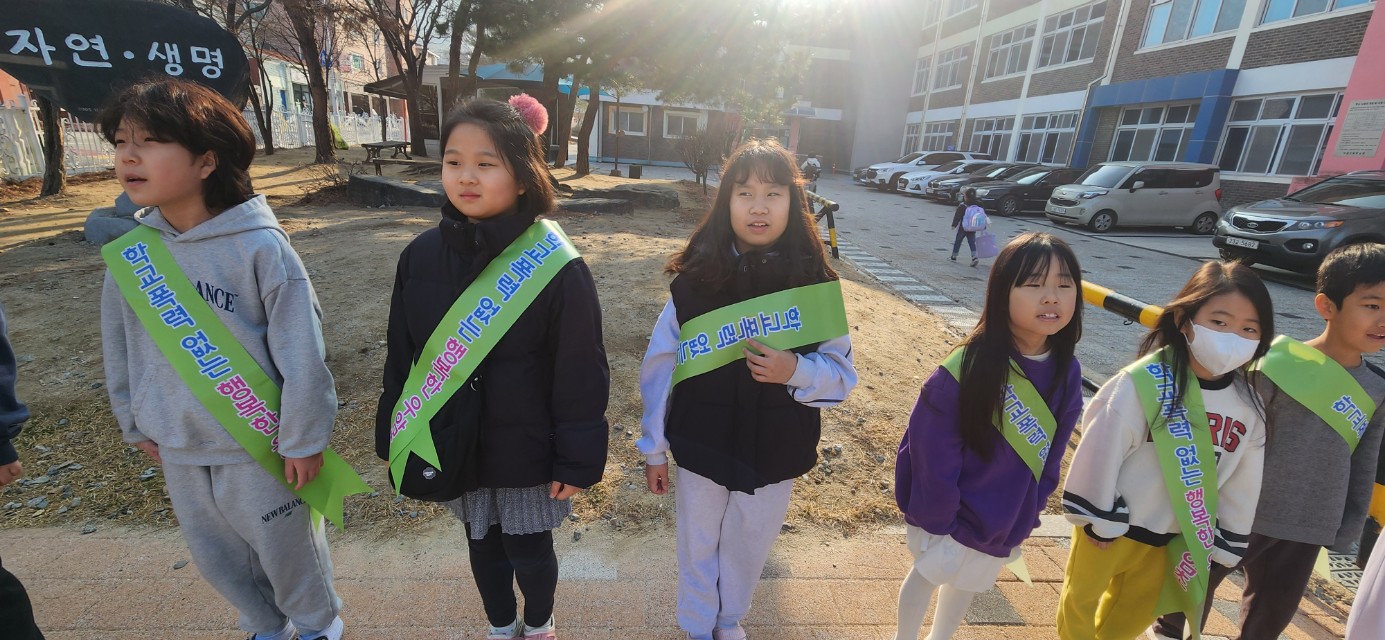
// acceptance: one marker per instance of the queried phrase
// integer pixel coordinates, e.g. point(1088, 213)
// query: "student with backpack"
point(969, 219)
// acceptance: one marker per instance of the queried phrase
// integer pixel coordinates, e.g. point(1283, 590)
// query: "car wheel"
point(1103, 221)
point(1233, 256)
point(893, 185)
point(1009, 206)
point(1204, 224)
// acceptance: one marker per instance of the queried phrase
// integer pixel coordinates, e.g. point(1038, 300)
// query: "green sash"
point(227, 380)
point(780, 320)
point(1320, 384)
point(472, 326)
point(1029, 424)
point(1183, 443)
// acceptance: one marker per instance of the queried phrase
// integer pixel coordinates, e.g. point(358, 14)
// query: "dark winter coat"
point(545, 384)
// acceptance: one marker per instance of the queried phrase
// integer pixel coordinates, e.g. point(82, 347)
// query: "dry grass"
point(50, 283)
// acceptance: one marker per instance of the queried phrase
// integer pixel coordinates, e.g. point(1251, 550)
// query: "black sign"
point(79, 52)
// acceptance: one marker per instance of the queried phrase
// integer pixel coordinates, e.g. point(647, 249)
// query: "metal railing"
point(828, 209)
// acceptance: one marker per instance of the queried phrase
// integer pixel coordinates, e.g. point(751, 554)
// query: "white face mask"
point(1220, 352)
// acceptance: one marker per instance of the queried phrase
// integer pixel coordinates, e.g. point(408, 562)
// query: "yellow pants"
point(1109, 594)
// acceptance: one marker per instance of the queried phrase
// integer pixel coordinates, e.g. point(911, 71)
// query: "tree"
point(304, 18)
point(408, 28)
point(703, 150)
point(54, 169)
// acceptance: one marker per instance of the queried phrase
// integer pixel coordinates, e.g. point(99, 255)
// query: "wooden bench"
point(374, 149)
point(412, 163)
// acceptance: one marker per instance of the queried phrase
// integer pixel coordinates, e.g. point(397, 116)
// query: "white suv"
point(1141, 194)
point(912, 183)
point(885, 175)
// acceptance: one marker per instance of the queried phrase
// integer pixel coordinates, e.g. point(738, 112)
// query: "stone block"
point(377, 191)
point(652, 196)
point(596, 205)
point(106, 224)
point(124, 206)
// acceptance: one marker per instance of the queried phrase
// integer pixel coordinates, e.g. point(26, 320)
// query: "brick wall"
point(999, 8)
point(949, 98)
point(1007, 89)
point(1319, 40)
point(916, 103)
point(961, 22)
point(1236, 192)
point(1199, 56)
point(1077, 77)
point(1105, 132)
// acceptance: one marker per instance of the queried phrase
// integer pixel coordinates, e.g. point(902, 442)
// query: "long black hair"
point(707, 256)
point(517, 144)
point(986, 359)
point(1210, 280)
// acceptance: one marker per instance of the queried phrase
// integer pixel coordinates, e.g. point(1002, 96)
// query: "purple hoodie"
point(946, 489)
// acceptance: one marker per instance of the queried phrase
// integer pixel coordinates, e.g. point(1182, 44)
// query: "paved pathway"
point(122, 584)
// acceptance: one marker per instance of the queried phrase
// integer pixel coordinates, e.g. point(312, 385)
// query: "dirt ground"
point(81, 474)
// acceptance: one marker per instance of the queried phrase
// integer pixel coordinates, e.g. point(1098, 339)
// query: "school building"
point(1269, 90)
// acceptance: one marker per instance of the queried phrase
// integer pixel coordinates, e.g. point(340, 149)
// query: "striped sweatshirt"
point(1115, 487)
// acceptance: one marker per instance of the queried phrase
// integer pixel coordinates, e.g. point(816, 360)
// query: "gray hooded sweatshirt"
point(241, 263)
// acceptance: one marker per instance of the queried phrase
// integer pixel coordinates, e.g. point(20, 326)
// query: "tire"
point(1103, 221)
point(1009, 206)
point(893, 185)
point(1204, 224)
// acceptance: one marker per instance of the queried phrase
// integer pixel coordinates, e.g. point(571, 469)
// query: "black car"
point(1027, 190)
point(949, 188)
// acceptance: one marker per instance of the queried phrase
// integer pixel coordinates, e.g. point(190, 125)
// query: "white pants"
point(724, 539)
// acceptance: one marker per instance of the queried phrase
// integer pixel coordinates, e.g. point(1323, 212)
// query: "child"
point(16, 611)
point(184, 152)
point(1318, 477)
point(543, 388)
point(966, 222)
point(969, 496)
point(1118, 492)
point(743, 431)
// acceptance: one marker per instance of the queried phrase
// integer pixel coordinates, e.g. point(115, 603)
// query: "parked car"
point(912, 183)
point(1297, 231)
point(884, 175)
point(1027, 190)
point(949, 188)
point(1141, 194)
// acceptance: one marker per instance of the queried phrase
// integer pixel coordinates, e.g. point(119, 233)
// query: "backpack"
point(974, 219)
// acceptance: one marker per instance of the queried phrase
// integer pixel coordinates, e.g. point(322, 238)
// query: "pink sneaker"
point(734, 633)
point(542, 635)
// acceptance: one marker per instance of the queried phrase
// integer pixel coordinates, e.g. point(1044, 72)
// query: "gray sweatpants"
point(724, 539)
point(254, 541)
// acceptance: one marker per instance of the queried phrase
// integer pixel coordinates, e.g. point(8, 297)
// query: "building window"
point(1280, 135)
point(1174, 20)
point(911, 138)
point(1154, 133)
point(930, 14)
point(938, 136)
point(628, 119)
point(991, 136)
point(1047, 138)
point(954, 7)
point(1072, 35)
point(357, 62)
point(950, 68)
point(1010, 51)
point(1277, 10)
point(681, 124)
point(925, 64)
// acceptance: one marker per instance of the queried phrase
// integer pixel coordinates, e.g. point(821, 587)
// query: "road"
point(905, 241)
